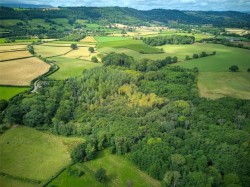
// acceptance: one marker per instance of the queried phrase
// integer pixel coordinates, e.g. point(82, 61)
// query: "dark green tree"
point(234, 68)
point(101, 175)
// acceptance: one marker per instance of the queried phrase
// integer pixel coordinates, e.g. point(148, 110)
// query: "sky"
point(218, 5)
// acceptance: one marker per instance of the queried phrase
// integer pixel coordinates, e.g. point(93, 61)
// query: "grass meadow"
point(70, 67)
point(119, 171)
point(7, 92)
point(136, 45)
point(28, 153)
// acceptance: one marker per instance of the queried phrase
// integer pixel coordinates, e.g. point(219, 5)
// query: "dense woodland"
point(153, 115)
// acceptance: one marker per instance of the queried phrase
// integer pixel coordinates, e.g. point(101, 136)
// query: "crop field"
point(7, 92)
point(28, 153)
point(70, 67)
point(119, 170)
point(50, 51)
point(21, 72)
point(136, 55)
point(88, 39)
point(11, 47)
point(215, 80)
point(14, 55)
point(110, 38)
point(136, 45)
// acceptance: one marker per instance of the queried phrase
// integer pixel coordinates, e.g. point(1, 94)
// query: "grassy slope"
point(7, 92)
point(71, 67)
point(26, 152)
point(136, 55)
point(136, 45)
point(110, 38)
point(8, 182)
point(119, 171)
point(215, 80)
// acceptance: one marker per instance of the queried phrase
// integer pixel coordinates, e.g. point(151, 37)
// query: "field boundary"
point(16, 59)
point(28, 180)
point(56, 175)
point(13, 50)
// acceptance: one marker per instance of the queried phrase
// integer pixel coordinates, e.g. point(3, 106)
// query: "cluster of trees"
point(155, 117)
point(117, 59)
point(174, 39)
point(201, 55)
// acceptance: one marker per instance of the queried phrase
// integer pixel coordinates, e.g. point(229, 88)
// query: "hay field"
point(11, 47)
point(14, 54)
point(78, 53)
point(49, 51)
point(89, 39)
point(21, 72)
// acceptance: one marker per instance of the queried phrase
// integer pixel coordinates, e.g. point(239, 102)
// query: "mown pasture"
point(21, 72)
point(136, 45)
point(110, 38)
point(50, 51)
point(119, 171)
point(70, 67)
point(7, 92)
point(31, 154)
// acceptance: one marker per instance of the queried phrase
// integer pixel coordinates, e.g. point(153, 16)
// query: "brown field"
point(14, 54)
point(11, 47)
point(21, 72)
point(90, 39)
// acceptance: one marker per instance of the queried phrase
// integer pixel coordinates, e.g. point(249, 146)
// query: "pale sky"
point(219, 5)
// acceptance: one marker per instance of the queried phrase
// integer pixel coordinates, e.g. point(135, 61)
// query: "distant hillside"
point(21, 5)
point(132, 16)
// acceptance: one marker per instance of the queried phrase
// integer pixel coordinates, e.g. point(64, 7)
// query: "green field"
point(7, 92)
point(110, 38)
point(28, 153)
point(219, 84)
point(224, 58)
point(136, 55)
point(70, 67)
point(214, 79)
point(136, 45)
point(9, 182)
point(119, 171)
